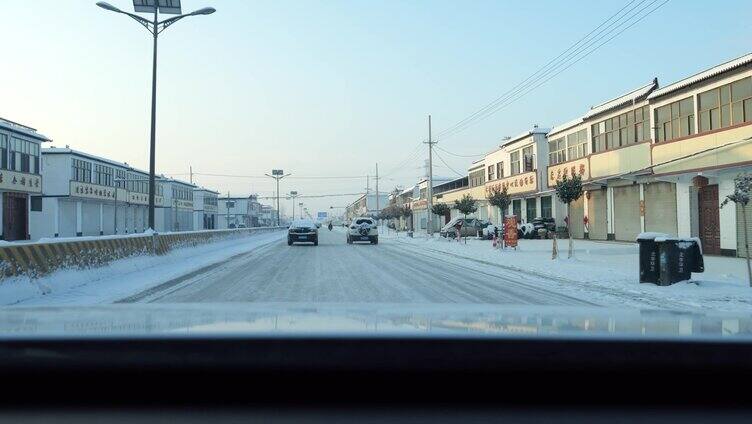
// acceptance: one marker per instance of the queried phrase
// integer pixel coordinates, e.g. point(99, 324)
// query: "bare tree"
point(742, 187)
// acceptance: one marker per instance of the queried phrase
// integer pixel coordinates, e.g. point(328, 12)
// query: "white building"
point(20, 177)
point(205, 209)
point(176, 211)
point(369, 204)
point(86, 195)
point(234, 212)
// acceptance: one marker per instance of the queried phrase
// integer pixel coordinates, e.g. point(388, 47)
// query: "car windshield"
point(410, 168)
point(303, 223)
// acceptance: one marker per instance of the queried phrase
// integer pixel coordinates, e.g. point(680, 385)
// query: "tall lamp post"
point(293, 195)
point(277, 174)
point(155, 28)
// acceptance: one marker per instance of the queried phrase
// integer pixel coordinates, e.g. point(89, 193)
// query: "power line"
point(447, 165)
point(298, 177)
point(543, 71)
point(566, 59)
point(458, 155)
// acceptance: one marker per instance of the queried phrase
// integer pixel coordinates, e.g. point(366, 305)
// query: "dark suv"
point(303, 231)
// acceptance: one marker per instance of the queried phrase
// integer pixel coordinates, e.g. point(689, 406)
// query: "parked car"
point(303, 230)
point(363, 229)
point(471, 227)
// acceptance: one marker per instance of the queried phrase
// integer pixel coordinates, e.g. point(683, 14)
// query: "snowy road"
point(336, 272)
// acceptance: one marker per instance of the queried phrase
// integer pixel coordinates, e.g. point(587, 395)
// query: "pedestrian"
point(496, 237)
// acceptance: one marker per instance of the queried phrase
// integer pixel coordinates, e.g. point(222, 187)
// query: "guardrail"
point(40, 258)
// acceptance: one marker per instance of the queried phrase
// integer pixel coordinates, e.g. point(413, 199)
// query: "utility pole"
point(429, 190)
point(190, 171)
point(277, 174)
point(227, 205)
point(377, 188)
point(368, 189)
point(294, 194)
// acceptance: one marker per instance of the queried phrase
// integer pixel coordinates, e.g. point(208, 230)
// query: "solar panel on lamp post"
point(155, 27)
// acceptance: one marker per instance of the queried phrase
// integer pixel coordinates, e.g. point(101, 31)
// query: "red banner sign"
point(510, 231)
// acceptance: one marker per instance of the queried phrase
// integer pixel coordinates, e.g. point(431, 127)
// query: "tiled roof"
point(709, 73)
point(632, 97)
point(565, 126)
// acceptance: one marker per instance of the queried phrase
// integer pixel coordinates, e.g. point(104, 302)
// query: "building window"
point(81, 171)
point(517, 209)
point(477, 178)
point(622, 130)
point(675, 120)
point(577, 145)
point(531, 209)
point(500, 170)
point(4, 148)
point(120, 178)
point(557, 151)
point(491, 170)
point(36, 203)
point(727, 105)
point(103, 175)
point(528, 158)
point(24, 156)
point(514, 162)
point(546, 211)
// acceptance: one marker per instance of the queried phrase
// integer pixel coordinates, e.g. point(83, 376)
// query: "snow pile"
point(606, 273)
point(124, 277)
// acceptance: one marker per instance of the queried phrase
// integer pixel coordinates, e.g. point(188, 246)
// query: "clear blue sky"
point(330, 87)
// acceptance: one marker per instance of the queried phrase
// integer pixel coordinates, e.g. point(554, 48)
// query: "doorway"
point(709, 219)
point(15, 216)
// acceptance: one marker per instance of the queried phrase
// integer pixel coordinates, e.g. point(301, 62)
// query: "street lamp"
point(277, 174)
point(155, 28)
point(293, 195)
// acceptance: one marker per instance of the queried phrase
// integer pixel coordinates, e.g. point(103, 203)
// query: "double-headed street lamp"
point(293, 195)
point(155, 27)
point(277, 174)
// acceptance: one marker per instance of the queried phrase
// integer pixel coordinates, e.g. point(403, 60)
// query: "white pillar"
point(586, 211)
point(683, 213)
point(642, 202)
point(56, 214)
point(101, 219)
point(79, 219)
point(727, 214)
point(610, 211)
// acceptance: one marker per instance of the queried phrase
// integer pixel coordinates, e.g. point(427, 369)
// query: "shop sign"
point(522, 183)
point(143, 199)
point(20, 181)
point(95, 191)
point(580, 167)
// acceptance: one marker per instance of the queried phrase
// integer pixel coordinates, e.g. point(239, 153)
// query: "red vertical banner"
point(510, 231)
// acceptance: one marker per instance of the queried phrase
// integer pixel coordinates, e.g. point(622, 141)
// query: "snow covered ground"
point(600, 271)
point(126, 276)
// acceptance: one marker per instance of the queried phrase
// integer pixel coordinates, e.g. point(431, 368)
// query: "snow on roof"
point(206, 190)
point(565, 126)
point(535, 130)
point(632, 97)
point(22, 129)
point(68, 150)
point(701, 76)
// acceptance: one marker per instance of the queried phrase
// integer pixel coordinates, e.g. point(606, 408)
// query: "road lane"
point(337, 272)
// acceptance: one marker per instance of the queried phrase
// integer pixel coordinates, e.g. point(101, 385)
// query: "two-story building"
point(234, 212)
point(21, 180)
point(605, 147)
point(702, 141)
point(176, 211)
point(369, 204)
point(87, 195)
point(205, 209)
point(519, 164)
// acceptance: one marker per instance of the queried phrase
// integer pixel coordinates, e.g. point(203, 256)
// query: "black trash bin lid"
point(648, 235)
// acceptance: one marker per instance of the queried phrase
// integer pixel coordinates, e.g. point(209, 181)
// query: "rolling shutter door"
point(576, 212)
point(740, 251)
point(627, 212)
point(660, 208)
point(597, 211)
